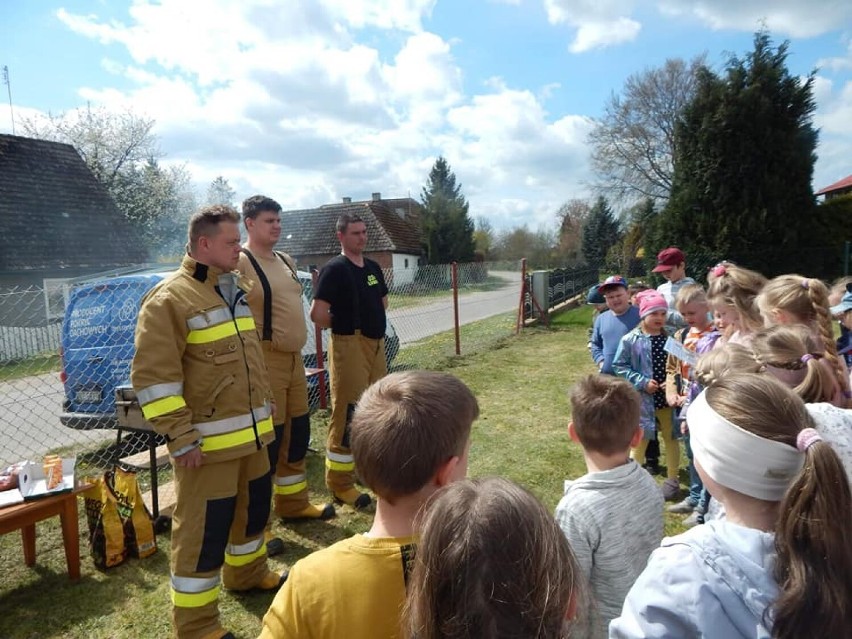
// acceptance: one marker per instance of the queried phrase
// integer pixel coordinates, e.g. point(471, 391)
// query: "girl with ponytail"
point(780, 564)
point(793, 299)
point(791, 354)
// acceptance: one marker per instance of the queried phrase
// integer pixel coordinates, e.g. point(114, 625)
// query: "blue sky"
point(312, 100)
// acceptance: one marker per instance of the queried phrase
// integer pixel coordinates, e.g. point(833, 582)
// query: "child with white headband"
point(780, 565)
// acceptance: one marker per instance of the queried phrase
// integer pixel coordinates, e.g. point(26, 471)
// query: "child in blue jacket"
point(641, 360)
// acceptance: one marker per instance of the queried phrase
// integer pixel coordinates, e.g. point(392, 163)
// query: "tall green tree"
point(446, 227)
point(601, 232)
point(745, 156)
point(484, 238)
point(623, 257)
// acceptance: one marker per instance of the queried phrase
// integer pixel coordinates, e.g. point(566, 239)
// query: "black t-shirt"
point(355, 294)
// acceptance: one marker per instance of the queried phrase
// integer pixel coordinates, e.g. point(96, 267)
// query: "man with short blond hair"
point(201, 381)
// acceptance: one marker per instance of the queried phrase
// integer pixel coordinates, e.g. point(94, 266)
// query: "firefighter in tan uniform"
point(351, 299)
point(276, 302)
point(200, 379)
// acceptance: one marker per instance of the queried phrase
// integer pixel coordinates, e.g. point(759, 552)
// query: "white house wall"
point(404, 268)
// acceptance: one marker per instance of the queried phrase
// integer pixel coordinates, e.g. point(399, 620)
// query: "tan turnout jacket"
point(198, 371)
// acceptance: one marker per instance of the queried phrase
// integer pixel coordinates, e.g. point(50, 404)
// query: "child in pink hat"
point(641, 360)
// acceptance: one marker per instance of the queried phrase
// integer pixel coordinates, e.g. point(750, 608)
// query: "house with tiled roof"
point(56, 222)
point(393, 234)
point(842, 187)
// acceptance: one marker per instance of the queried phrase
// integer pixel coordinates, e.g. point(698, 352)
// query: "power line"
point(8, 84)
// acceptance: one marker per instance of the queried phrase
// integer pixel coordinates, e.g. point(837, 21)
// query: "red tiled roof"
point(392, 225)
point(845, 183)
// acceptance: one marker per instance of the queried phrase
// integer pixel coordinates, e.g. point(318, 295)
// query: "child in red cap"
point(641, 360)
point(671, 264)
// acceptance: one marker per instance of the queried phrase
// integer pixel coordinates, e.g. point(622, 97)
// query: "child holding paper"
point(641, 360)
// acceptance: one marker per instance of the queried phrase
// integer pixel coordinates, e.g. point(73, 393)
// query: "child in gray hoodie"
point(612, 516)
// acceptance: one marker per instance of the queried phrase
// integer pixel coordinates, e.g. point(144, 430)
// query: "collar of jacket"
point(205, 273)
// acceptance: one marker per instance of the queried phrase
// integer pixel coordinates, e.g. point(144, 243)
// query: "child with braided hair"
point(792, 355)
point(793, 299)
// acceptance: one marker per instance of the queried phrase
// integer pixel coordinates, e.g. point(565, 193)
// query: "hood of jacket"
point(738, 565)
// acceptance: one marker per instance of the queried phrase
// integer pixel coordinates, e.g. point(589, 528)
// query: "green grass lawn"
point(35, 365)
point(521, 383)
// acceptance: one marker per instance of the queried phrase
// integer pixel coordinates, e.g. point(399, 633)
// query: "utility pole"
point(8, 83)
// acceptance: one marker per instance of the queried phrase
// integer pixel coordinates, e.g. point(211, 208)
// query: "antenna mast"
point(8, 84)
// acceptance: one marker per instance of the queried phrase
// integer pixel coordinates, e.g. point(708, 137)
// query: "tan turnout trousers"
point(355, 363)
point(218, 523)
point(292, 430)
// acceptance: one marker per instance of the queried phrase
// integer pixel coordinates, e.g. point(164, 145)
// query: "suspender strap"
point(267, 296)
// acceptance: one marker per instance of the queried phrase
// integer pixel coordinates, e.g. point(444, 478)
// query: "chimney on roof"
point(377, 197)
point(347, 200)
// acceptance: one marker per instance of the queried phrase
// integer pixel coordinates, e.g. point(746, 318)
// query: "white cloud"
point(603, 23)
point(594, 35)
point(837, 63)
point(384, 14)
point(792, 18)
point(834, 113)
point(291, 99)
point(598, 23)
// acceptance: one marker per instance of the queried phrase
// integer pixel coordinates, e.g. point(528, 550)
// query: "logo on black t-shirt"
point(372, 280)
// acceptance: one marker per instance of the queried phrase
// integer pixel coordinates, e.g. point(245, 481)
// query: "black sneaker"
point(274, 546)
point(652, 468)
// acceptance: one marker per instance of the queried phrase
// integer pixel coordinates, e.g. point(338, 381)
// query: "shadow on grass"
point(73, 605)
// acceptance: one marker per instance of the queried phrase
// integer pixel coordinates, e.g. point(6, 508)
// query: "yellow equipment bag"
point(119, 523)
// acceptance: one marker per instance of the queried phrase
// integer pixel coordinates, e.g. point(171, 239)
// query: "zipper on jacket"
point(237, 297)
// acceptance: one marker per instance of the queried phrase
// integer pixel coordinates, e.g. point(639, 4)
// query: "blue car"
point(97, 345)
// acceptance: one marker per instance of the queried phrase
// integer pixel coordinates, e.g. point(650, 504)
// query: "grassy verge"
point(521, 384)
point(35, 365)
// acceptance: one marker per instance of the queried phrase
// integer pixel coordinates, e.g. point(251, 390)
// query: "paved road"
point(30, 406)
point(415, 323)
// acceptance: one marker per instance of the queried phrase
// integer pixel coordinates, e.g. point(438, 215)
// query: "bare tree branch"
point(633, 144)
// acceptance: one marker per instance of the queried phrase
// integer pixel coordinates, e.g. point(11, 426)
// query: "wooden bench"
point(24, 516)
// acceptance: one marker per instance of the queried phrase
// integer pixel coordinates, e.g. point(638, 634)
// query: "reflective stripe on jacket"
point(198, 371)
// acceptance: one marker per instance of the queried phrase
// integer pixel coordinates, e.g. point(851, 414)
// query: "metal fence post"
point(520, 321)
point(455, 272)
point(320, 357)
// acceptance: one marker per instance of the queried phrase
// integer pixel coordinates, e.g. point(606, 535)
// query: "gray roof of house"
point(54, 214)
point(312, 231)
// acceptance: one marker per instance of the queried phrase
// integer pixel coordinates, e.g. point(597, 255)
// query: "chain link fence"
point(66, 346)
